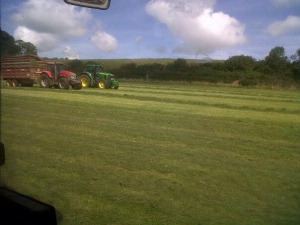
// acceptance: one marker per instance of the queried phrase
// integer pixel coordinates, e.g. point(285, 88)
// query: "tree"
point(240, 63)
point(181, 65)
point(262, 67)
point(296, 56)
point(8, 46)
point(295, 66)
point(76, 65)
point(127, 69)
point(26, 48)
point(277, 61)
point(217, 65)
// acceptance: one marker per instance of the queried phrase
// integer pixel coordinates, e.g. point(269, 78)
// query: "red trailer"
point(22, 70)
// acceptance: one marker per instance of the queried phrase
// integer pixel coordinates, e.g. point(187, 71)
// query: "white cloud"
point(199, 27)
point(104, 41)
point(41, 21)
point(291, 23)
point(43, 41)
point(70, 53)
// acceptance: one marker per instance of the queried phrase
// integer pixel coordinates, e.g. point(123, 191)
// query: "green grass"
point(156, 153)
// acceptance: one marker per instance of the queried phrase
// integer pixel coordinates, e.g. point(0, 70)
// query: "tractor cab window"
point(90, 69)
point(60, 67)
point(94, 69)
point(99, 69)
point(51, 68)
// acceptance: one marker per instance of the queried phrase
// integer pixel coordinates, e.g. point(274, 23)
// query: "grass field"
point(156, 153)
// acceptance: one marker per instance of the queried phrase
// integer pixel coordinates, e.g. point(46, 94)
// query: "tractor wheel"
point(8, 82)
point(85, 80)
point(63, 83)
point(15, 83)
point(101, 84)
point(116, 87)
point(44, 81)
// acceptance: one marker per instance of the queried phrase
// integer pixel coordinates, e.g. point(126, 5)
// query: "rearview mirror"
point(98, 4)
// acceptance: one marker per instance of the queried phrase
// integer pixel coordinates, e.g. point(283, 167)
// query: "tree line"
point(275, 69)
point(12, 47)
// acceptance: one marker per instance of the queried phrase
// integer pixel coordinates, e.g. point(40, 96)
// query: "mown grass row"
point(156, 153)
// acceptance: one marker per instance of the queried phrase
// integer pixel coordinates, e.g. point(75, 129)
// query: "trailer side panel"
point(22, 68)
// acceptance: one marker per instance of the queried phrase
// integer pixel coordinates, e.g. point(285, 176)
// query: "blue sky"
point(194, 29)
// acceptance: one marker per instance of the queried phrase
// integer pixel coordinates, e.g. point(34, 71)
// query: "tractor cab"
point(55, 68)
point(94, 70)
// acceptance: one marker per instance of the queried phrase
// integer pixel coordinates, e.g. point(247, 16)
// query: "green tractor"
point(93, 76)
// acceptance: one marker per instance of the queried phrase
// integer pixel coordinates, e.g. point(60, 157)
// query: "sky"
point(191, 29)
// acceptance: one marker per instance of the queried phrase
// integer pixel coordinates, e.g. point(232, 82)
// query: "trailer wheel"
point(8, 82)
point(44, 81)
point(15, 83)
point(101, 84)
point(63, 83)
point(85, 80)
